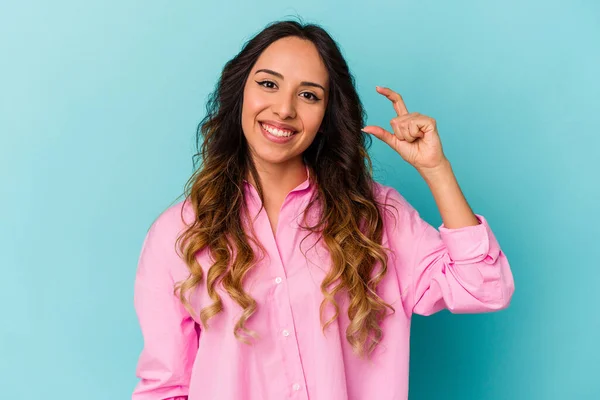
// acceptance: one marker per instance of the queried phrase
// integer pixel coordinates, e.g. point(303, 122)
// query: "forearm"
point(452, 204)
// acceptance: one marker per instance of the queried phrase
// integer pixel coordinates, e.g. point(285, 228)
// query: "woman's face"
point(287, 87)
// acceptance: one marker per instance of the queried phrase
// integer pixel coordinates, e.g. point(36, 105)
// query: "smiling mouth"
point(277, 132)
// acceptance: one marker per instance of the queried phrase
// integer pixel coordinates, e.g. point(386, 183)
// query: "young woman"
point(288, 272)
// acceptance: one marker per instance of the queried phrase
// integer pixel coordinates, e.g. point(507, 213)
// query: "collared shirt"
point(463, 270)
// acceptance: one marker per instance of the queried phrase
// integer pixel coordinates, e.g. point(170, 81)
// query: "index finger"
point(395, 98)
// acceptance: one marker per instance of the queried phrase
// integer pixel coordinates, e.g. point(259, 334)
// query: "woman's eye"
point(314, 97)
point(267, 83)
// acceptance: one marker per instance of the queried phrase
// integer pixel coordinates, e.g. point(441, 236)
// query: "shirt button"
point(278, 280)
point(286, 332)
point(296, 386)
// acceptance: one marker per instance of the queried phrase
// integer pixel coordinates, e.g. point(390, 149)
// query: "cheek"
point(253, 104)
point(314, 119)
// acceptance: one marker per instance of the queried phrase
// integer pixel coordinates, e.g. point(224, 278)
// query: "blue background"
point(99, 102)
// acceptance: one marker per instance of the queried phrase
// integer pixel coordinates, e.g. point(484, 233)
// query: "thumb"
point(400, 146)
point(381, 134)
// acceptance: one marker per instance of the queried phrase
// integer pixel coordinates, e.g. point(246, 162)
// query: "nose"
point(284, 106)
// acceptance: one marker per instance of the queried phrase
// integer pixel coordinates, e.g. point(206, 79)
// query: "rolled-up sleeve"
point(170, 334)
point(463, 270)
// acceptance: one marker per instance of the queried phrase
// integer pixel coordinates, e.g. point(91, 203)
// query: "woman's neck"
point(278, 180)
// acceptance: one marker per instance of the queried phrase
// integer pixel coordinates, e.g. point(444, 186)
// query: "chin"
point(273, 159)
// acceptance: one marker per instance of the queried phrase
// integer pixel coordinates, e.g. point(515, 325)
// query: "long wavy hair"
point(350, 221)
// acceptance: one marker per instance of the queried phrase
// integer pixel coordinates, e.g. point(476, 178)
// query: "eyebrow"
point(277, 74)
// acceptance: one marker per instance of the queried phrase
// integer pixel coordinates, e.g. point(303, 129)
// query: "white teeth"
point(277, 132)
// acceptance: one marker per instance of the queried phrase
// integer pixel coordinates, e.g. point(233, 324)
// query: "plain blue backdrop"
point(99, 103)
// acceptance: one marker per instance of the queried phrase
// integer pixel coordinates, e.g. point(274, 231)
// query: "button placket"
point(285, 321)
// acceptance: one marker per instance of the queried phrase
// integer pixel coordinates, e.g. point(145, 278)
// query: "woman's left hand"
point(415, 136)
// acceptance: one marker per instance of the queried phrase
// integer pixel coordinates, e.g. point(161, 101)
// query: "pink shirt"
point(462, 270)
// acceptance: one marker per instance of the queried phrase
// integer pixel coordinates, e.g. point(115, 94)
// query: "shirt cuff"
point(471, 244)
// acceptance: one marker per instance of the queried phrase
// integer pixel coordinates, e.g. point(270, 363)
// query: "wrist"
point(442, 172)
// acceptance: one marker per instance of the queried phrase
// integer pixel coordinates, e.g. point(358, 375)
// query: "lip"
point(279, 125)
point(275, 139)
